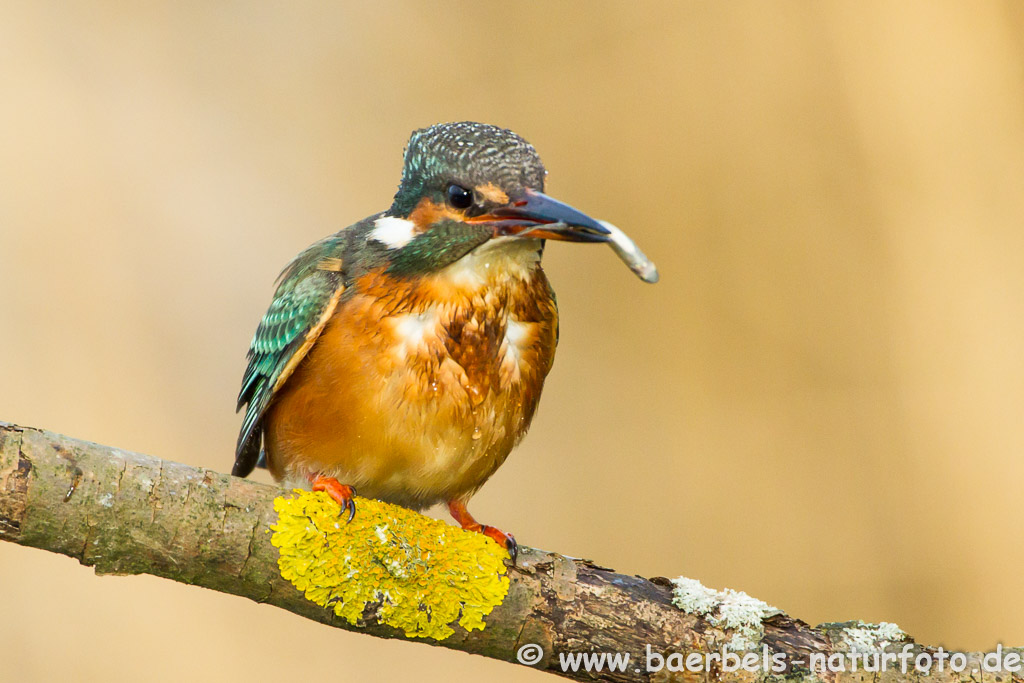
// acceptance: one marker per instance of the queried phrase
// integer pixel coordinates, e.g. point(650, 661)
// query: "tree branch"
point(125, 513)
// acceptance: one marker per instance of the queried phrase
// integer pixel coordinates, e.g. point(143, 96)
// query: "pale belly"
point(416, 407)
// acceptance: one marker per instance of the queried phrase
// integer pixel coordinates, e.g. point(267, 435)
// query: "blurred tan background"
point(820, 403)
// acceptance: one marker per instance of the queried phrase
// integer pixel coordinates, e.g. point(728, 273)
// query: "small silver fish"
point(631, 254)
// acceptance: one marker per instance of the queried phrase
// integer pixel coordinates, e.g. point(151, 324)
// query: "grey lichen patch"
point(861, 637)
point(727, 609)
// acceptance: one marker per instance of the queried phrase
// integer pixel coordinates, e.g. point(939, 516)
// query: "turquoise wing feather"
point(308, 291)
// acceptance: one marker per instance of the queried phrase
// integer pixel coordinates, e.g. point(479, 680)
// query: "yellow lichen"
point(420, 573)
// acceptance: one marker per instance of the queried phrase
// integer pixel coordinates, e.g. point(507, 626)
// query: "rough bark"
point(125, 513)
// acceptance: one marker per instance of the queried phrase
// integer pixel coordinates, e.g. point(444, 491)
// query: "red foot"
point(507, 541)
point(340, 492)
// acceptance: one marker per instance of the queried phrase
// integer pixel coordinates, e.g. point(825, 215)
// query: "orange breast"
point(416, 391)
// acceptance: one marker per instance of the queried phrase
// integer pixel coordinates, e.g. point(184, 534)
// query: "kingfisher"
point(404, 355)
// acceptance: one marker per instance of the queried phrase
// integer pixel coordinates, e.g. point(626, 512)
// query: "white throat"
point(500, 257)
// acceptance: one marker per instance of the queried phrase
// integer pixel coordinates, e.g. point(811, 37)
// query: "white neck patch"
point(392, 232)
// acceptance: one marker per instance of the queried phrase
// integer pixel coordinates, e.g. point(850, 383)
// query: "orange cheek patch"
point(427, 213)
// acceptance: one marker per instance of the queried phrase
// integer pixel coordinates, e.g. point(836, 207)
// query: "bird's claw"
point(505, 540)
point(351, 506)
point(343, 494)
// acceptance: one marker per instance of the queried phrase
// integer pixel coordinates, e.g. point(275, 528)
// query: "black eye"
point(459, 197)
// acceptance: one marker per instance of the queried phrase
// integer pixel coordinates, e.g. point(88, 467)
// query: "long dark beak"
point(538, 216)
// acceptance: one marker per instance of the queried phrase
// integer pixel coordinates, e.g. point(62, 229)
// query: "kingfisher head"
point(469, 188)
